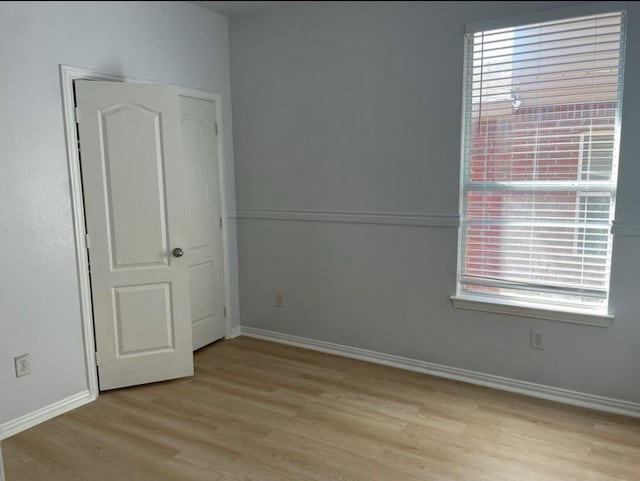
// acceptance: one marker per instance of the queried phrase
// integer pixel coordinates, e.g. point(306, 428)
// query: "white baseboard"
point(542, 391)
point(27, 421)
point(235, 332)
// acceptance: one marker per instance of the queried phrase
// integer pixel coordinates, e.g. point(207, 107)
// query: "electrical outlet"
point(279, 299)
point(23, 365)
point(537, 340)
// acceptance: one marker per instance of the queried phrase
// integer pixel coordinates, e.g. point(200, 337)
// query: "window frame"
point(586, 194)
point(503, 304)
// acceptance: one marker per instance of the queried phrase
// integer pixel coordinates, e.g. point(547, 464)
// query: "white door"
point(131, 158)
point(204, 220)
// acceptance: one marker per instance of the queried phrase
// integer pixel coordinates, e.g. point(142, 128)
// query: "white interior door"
point(132, 171)
point(204, 221)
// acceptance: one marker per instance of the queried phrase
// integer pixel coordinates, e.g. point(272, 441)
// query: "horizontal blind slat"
point(588, 42)
point(498, 282)
point(602, 17)
point(565, 59)
point(606, 77)
point(499, 37)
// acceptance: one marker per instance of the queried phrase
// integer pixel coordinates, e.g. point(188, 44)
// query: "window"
point(539, 162)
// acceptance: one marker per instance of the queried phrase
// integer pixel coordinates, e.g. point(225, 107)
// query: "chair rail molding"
point(625, 229)
point(352, 217)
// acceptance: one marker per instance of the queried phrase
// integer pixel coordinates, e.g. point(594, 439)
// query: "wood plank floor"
point(262, 411)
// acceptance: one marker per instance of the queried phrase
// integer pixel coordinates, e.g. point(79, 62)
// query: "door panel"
point(132, 156)
point(132, 169)
point(143, 318)
point(201, 278)
point(199, 209)
point(206, 271)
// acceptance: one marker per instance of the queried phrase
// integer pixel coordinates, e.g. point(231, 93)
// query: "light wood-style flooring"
point(262, 411)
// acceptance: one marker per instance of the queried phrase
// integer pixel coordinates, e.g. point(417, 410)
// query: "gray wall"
point(354, 107)
point(172, 42)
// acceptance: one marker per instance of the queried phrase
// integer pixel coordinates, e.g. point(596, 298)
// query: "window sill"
point(536, 311)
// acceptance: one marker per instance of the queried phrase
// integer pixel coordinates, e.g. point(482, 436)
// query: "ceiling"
point(238, 8)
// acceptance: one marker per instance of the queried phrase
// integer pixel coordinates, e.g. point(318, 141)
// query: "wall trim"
point(233, 333)
point(41, 415)
point(67, 76)
point(352, 217)
point(541, 391)
point(625, 229)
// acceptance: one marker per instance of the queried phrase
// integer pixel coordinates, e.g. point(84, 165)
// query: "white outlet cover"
point(23, 365)
point(537, 340)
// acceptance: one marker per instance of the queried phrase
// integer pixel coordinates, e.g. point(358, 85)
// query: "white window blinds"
point(540, 155)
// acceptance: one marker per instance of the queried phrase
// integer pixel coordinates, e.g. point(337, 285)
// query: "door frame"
point(67, 75)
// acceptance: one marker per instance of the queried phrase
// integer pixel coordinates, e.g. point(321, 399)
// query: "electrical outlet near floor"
point(537, 340)
point(23, 365)
point(279, 299)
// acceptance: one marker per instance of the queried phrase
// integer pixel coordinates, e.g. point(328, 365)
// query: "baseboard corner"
point(27, 421)
point(234, 332)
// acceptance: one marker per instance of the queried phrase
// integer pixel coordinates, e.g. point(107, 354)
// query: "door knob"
point(177, 252)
